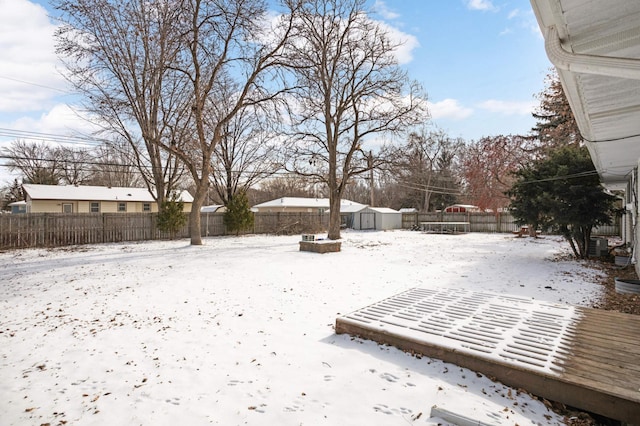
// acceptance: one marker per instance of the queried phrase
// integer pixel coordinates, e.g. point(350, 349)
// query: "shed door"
point(367, 220)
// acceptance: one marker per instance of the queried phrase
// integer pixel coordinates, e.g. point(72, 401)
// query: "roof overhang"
point(595, 46)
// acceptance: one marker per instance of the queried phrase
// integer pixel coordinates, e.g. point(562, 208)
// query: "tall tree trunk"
point(335, 191)
point(334, 214)
point(194, 216)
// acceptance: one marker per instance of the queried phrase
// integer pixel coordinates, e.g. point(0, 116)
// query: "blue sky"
point(481, 63)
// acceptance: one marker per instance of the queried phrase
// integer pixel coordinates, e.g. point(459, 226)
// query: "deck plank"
point(582, 357)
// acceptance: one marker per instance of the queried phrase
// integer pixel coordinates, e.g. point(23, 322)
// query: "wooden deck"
point(585, 358)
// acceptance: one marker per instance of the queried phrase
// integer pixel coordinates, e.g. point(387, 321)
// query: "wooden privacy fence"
point(488, 222)
point(58, 229)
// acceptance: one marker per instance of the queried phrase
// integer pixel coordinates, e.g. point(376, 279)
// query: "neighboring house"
point(18, 207)
point(462, 208)
point(301, 205)
point(595, 46)
point(353, 215)
point(92, 199)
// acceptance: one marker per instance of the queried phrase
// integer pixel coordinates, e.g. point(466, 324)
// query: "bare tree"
point(488, 168)
point(114, 164)
point(423, 168)
point(290, 185)
point(75, 165)
point(244, 156)
point(167, 67)
point(230, 58)
point(349, 89)
point(120, 56)
point(39, 163)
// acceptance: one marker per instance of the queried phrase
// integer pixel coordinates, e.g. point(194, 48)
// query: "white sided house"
point(93, 199)
point(595, 47)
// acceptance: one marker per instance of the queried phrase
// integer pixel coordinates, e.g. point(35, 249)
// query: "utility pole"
point(371, 187)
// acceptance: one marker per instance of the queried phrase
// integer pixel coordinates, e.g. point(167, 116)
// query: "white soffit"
point(595, 46)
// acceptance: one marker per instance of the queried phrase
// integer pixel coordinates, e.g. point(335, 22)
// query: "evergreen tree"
point(171, 216)
point(563, 192)
point(555, 124)
point(238, 216)
point(12, 193)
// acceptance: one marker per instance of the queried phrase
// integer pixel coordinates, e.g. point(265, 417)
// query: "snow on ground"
point(240, 330)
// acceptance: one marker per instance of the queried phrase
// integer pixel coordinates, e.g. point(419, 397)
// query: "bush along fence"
point(58, 229)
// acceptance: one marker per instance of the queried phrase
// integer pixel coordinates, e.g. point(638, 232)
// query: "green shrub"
point(171, 216)
point(238, 216)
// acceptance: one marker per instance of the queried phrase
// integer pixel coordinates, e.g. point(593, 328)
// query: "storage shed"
point(377, 218)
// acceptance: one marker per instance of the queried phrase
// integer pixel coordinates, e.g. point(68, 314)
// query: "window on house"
point(146, 207)
point(94, 208)
point(67, 208)
point(122, 207)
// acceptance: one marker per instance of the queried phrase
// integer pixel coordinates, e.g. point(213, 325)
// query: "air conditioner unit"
point(598, 247)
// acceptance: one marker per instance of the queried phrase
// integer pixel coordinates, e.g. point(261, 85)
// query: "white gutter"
point(588, 64)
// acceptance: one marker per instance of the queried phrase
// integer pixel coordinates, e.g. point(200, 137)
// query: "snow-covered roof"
point(93, 193)
point(384, 210)
point(211, 209)
point(305, 202)
point(18, 203)
point(408, 210)
point(352, 208)
point(466, 206)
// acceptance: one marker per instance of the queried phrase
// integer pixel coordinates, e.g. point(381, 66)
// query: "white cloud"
point(524, 19)
point(380, 7)
point(508, 107)
point(28, 76)
point(406, 43)
point(61, 120)
point(480, 5)
point(449, 108)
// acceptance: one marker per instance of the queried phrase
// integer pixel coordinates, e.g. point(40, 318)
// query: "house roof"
point(466, 206)
point(211, 208)
point(384, 210)
point(352, 208)
point(301, 202)
point(93, 193)
point(595, 46)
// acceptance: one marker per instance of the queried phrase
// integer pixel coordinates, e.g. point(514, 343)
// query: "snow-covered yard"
point(240, 330)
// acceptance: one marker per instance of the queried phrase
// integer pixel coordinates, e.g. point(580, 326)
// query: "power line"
point(25, 134)
point(571, 176)
point(62, 163)
point(4, 77)
point(417, 187)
